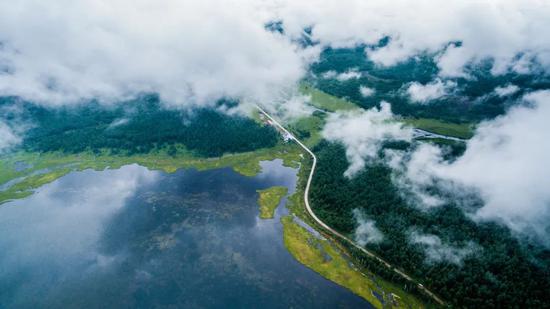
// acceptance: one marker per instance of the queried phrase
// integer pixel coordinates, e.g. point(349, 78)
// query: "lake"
point(137, 238)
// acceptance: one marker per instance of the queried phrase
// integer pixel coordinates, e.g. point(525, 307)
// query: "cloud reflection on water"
point(137, 238)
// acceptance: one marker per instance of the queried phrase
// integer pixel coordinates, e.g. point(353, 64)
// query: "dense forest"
point(138, 126)
point(501, 273)
point(472, 99)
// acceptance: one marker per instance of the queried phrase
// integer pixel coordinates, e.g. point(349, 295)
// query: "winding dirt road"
point(331, 230)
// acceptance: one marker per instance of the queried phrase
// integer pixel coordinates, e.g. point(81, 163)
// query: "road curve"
point(331, 230)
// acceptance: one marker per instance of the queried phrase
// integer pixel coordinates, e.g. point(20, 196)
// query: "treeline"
point(141, 125)
point(471, 102)
point(502, 273)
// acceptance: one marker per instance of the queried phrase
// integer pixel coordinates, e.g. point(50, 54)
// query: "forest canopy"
point(499, 271)
point(138, 126)
point(343, 72)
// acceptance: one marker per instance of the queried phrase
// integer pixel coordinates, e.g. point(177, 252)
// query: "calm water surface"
point(138, 238)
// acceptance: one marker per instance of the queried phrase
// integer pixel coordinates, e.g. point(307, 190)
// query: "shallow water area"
point(132, 237)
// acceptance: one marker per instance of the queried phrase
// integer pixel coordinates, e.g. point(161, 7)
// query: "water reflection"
point(137, 238)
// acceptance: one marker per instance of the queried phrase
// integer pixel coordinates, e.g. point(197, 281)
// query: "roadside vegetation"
point(322, 256)
point(308, 129)
point(326, 256)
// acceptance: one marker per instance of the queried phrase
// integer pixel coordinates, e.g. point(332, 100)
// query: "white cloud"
point(506, 162)
point(416, 177)
point(342, 77)
point(366, 231)
point(329, 74)
point(350, 74)
point(8, 137)
point(362, 133)
point(295, 107)
point(118, 122)
point(12, 126)
point(188, 52)
point(419, 93)
point(501, 29)
point(507, 90)
point(437, 251)
point(65, 51)
point(366, 91)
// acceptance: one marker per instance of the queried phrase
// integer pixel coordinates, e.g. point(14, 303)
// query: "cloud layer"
point(507, 161)
point(366, 91)
point(502, 30)
point(422, 94)
point(363, 133)
point(65, 51)
point(505, 164)
point(507, 90)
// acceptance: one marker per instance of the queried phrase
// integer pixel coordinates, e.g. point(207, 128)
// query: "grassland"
point(329, 103)
point(326, 101)
point(47, 167)
point(324, 258)
point(460, 130)
point(308, 129)
point(269, 199)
